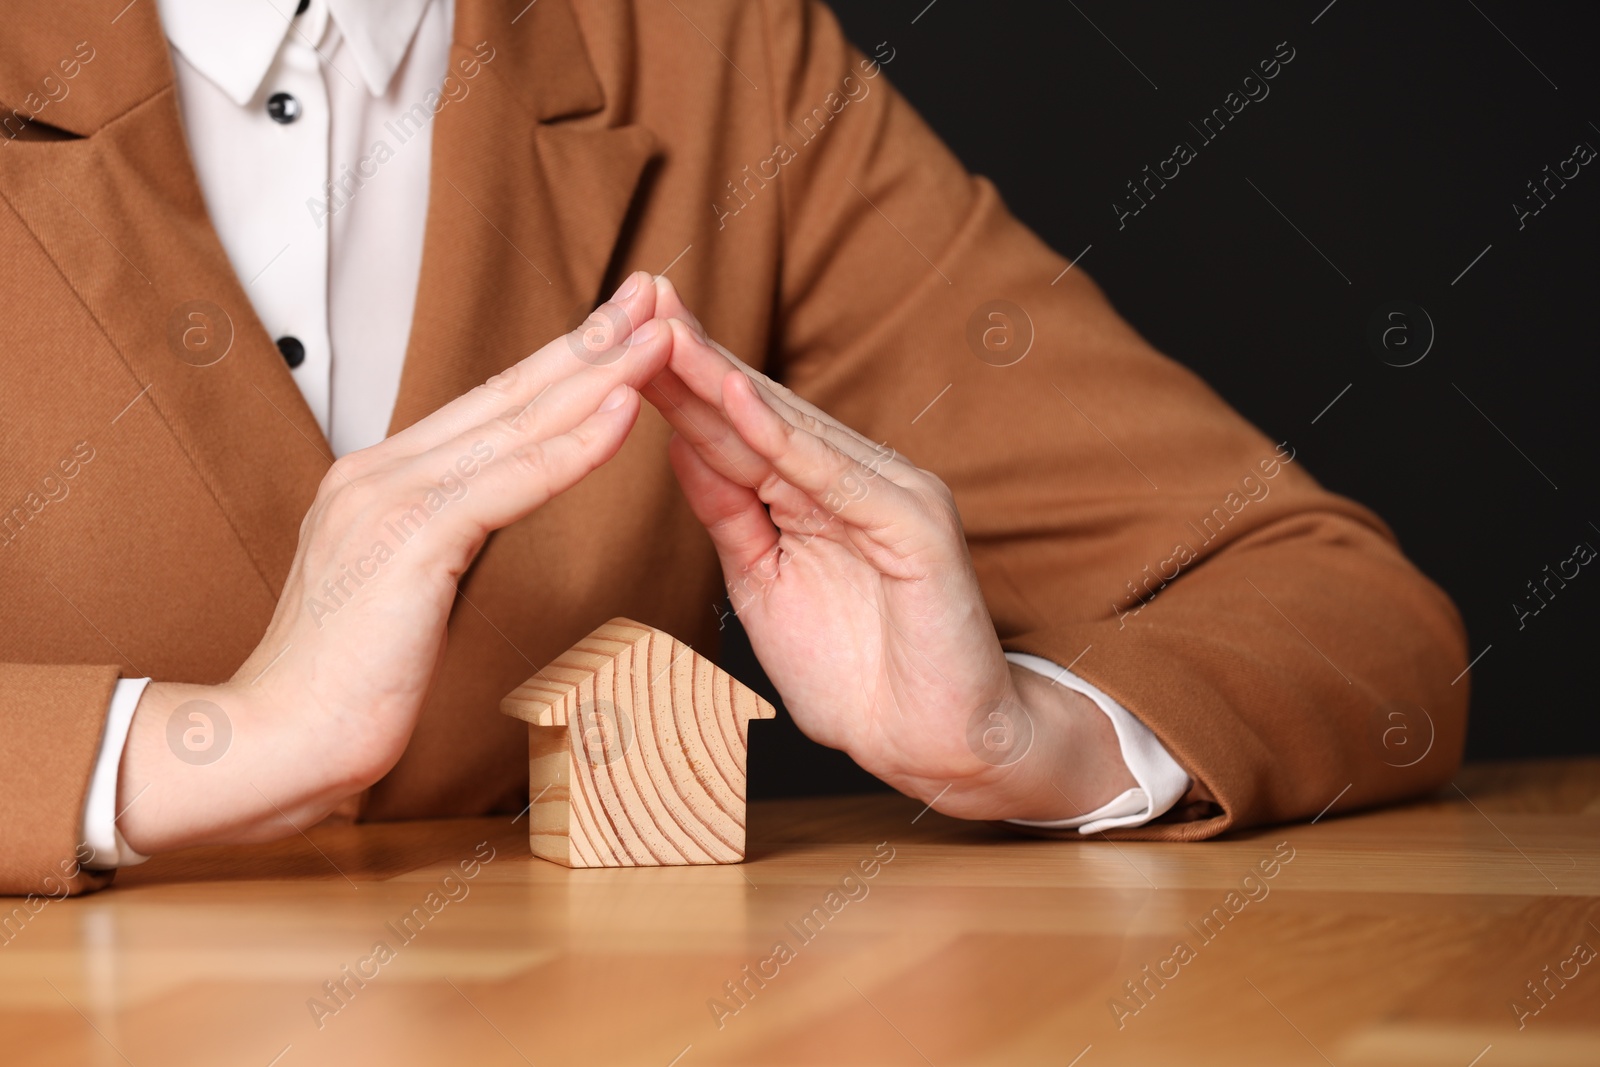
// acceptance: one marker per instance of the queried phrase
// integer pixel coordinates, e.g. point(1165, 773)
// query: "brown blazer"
point(150, 506)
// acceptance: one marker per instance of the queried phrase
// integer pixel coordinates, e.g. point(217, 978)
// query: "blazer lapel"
point(529, 192)
point(530, 189)
point(104, 182)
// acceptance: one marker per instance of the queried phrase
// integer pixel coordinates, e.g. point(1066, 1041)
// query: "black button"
point(283, 108)
point(301, 10)
point(294, 353)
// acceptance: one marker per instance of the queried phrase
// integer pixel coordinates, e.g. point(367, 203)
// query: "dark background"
point(1397, 142)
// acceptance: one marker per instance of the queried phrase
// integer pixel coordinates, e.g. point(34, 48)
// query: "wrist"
point(212, 765)
point(1056, 755)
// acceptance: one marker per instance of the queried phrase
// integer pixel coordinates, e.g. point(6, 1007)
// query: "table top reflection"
point(862, 931)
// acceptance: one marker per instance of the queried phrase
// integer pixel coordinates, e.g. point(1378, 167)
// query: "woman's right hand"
point(325, 705)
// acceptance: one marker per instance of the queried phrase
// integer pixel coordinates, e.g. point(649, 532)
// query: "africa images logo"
point(199, 732)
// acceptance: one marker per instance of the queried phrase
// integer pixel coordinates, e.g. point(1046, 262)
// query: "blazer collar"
point(235, 42)
point(130, 64)
point(554, 76)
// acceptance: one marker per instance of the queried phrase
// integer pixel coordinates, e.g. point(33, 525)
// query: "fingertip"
point(684, 333)
point(670, 303)
point(619, 397)
point(652, 355)
point(621, 321)
point(629, 286)
point(666, 296)
point(638, 296)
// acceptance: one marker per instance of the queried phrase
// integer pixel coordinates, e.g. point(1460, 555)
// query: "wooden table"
point(1396, 937)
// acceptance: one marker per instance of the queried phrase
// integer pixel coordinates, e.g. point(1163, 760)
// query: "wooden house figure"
point(636, 752)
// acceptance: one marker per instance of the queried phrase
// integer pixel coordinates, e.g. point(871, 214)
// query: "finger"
point(840, 483)
point(702, 364)
point(670, 305)
point(567, 401)
point(731, 513)
point(698, 413)
point(706, 429)
point(495, 484)
point(599, 344)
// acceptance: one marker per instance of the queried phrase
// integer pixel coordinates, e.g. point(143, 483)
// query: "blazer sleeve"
point(1122, 517)
point(51, 719)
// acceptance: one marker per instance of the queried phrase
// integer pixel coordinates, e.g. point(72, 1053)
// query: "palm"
point(877, 639)
point(871, 664)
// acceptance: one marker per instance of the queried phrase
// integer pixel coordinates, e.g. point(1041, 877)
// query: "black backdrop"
point(1379, 181)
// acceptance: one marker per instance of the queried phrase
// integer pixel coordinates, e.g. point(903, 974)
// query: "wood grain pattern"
point(636, 752)
point(1394, 938)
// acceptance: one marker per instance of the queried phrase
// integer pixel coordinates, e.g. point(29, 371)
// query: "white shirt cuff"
point(107, 849)
point(1161, 781)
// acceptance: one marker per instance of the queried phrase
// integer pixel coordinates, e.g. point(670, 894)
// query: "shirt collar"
point(234, 42)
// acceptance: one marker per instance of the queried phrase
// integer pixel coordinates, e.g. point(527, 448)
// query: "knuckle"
point(791, 432)
point(585, 438)
point(783, 392)
point(530, 460)
point(936, 487)
point(947, 517)
point(882, 456)
point(505, 386)
point(809, 422)
point(337, 507)
point(341, 476)
point(507, 428)
point(849, 485)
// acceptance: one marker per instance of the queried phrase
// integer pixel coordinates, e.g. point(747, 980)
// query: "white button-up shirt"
point(321, 217)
